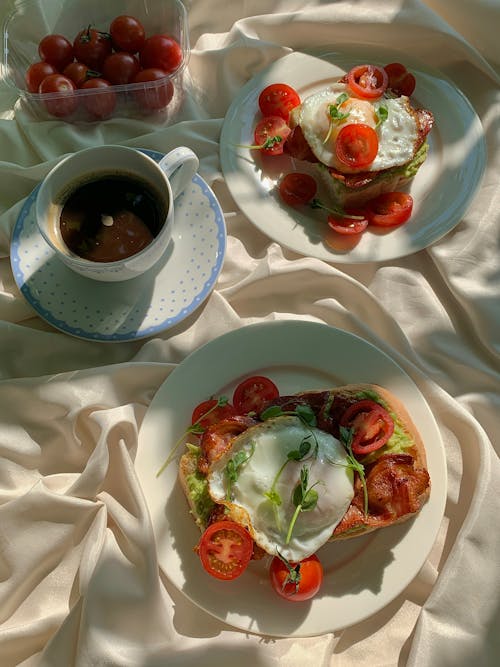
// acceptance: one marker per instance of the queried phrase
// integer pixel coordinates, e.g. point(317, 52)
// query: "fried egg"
point(260, 493)
point(397, 134)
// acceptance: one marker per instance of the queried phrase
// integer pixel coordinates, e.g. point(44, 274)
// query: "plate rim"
point(132, 335)
point(244, 202)
point(146, 434)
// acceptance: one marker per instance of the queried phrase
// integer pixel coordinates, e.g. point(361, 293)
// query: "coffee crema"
point(111, 217)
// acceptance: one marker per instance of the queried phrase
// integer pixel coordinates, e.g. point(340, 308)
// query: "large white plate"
point(361, 575)
point(144, 306)
point(442, 189)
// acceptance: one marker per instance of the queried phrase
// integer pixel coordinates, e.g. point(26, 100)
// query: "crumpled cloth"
point(80, 583)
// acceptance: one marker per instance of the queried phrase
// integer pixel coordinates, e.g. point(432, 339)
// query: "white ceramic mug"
point(166, 179)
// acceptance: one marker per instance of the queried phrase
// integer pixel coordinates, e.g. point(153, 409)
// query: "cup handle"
point(179, 165)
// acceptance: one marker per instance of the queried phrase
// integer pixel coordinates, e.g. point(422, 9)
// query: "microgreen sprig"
point(316, 203)
point(304, 412)
point(232, 469)
point(335, 115)
point(270, 142)
point(305, 498)
point(195, 429)
point(381, 114)
point(293, 455)
point(346, 435)
point(293, 577)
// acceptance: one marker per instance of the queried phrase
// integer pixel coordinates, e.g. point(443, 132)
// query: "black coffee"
point(111, 217)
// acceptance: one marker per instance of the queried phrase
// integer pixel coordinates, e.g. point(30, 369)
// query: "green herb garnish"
point(335, 115)
point(346, 435)
point(293, 455)
point(316, 203)
point(304, 497)
point(232, 469)
point(381, 114)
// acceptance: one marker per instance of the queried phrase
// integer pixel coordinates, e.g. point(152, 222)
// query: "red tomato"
point(78, 73)
point(225, 549)
point(36, 73)
point(372, 425)
point(270, 135)
point(56, 50)
point(296, 582)
point(278, 99)
point(91, 47)
point(367, 81)
point(216, 414)
point(297, 188)
point(120, 68)
point(63, 102)
point(356, 145)
point(346, 225)
point(253, 393)
point(389, 209)
point(401, 82)
point(102, 104)
point(161, 51)
point(158, 89)
point(127, 34)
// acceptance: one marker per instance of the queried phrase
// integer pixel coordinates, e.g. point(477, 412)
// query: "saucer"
point(153, 302)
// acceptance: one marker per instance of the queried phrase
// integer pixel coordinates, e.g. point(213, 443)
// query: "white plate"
point(162, 297)
point(442, 189)
point(361, 575)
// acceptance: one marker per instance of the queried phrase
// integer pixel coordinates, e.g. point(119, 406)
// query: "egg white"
point(267, 446)
point(397, 135)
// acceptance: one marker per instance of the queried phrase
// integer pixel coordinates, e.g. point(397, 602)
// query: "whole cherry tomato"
point(127, 34)
point(296, 581)
point(120, 68)
point(36, 73)
point(91, 47)
point(102, 103)
point(56, 50)
point(63, 102)
point(161, 51)
point(157, 92)
point(79, 73)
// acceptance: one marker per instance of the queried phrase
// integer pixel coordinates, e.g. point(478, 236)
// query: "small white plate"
point(442, 189)
point(362, 575)
point(143, 306)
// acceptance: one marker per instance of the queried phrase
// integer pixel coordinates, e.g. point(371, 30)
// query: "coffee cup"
point(108, 211)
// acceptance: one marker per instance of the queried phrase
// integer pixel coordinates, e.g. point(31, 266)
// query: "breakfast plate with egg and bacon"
point(294, 489)
point(352, 163)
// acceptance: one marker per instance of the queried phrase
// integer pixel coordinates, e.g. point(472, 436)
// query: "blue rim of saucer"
point(134, 333)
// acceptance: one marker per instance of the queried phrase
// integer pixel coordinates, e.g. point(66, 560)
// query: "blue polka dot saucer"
point(144, 306)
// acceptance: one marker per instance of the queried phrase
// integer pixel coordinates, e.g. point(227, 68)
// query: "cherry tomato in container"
point(278, 99)
point(296, 582)
point(225, 549)
point(61, 100)
point(371, 423)
point(127, 33)
point(92, 47)
point(356, 145)
point(389, 209)
point(120, 67)
point(208, 412)
point(400, 81)
point(102, 103)
point(367, 81)
point(157, 92)
point(36, 73)
point(253, 393)
point(79, 73)
point(297, 188)
point(56, 50)
point(161, 51)
point(270, 135)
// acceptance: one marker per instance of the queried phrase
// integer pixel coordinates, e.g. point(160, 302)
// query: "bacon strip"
point(217, 439)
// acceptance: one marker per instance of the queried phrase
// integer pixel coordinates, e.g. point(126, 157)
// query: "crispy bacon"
point(217, 439)
point(396, 487)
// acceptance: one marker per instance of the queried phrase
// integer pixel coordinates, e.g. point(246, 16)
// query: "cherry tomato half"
point(367, 81)
point(161, 51)
point(102, 104)
point(253, 393)
point(215, 414)
point(346, 225)
point(278, 99)
point(225, 549)
point(401, 82)
point(120, 68)
point(65, 101)
point(36, 73)
point(56, 50)
point(296, 582)
point(270, 135)
point(356, 145)
point(372, 425)
point(127, 34)
point(296, 188)
point(157, 91)
point(389, 209)
point(91, 47)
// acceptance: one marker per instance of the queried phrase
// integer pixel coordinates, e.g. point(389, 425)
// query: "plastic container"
point(31, 20)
